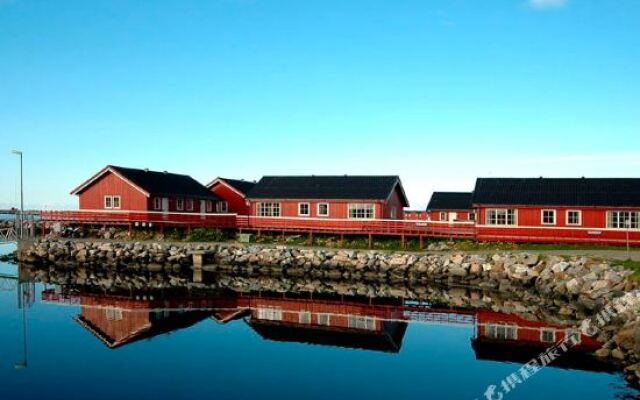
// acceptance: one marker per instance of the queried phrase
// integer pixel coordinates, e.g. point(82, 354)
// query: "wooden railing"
point(284, 224)
point(140, 217)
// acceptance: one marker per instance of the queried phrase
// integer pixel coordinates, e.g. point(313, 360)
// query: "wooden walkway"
point(259, 225)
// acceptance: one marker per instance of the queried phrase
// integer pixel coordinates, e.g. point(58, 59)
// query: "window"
point(394, 213)
point(361, 211)
point(179, 204)
point(574, 217)
point(548, 335)
point(111, 201)
point(505, 216)
point(305, 317)
point(324, 319)
point(623, 219)
point(548, 217)
point(304, 209)
point(189, 204)
point(443, 216)
point(323, 209)
point(270, 313)
point(222, 207)
point(209, 206)
point(268, 209)
point(574, 334)
point(358, 322)
point(113, 314)
point(157, 203)
point(502, 332)
point(472, 216)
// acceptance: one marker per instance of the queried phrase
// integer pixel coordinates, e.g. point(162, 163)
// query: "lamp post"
point(19, 153)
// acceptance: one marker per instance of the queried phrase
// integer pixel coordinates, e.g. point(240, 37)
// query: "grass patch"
point(207, 235)
point(631, 265)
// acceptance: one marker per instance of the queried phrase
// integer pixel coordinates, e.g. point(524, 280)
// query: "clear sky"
point(438, 92)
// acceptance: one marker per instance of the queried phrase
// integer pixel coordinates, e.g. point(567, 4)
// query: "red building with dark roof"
point(329, 197)
point(554, 210)
point(451, 207)
point(117, 188)
point(233, 194)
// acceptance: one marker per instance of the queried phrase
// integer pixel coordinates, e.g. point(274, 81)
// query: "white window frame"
point(318, 209)
point(108, 202)
point(571, 331)
point(472, 216)
point(366, 208)
point(209, 206)
point(394, 213)
point(324, 319)
point(304, 317)
point(548, 210)
point(269, 313)
point(511, 328)
point(579, 223)
point(157, 203)
point(361, 322)
point(444, 216)
point(268, 209)
point(190, 204)
point(300, 213)
point(498, 211)
point(222, 207)
point(615, 221)
point(179, 204)
point(547, 330)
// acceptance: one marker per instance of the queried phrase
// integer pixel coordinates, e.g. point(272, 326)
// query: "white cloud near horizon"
point(547, 4)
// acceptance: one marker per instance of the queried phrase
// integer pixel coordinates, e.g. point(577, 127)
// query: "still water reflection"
point(78, 341)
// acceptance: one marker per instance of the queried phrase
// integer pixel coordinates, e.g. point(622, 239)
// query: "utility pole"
point(19, 153)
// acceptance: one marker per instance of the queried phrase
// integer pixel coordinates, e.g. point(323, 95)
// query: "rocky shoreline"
point(575, 288)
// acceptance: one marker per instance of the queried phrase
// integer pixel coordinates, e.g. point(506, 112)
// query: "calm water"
point(82, 343)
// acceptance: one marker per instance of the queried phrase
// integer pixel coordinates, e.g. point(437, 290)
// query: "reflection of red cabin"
point(118, 321)
point(233, 193)
point(508, 337)
point(348, 324)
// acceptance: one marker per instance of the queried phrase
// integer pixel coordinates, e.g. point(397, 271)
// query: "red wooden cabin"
point(450, 207)
point(118, 188)
point(233, 195)
point(582, 210)
point(329, 197)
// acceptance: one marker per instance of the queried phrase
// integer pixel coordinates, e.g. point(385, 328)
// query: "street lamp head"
point(18, 152)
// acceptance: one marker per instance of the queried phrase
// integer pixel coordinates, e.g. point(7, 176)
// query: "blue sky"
point(438, 92)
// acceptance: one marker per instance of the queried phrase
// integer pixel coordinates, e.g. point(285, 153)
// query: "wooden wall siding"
point(337, 209)
point(463, 215)
point(237, 203)
point(394, 201)
point(110, 184)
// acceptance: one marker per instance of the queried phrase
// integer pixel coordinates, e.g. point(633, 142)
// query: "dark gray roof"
point(450, 201)
point(341, 187)
point(165, 183)
point(597, 192)
point(240, 185)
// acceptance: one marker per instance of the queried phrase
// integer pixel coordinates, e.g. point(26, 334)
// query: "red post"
point(403, 242)
point(421, 242)
point(370, 241)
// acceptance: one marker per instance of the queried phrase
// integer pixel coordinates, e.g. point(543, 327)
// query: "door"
point(453, 216)
point(165, 205)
